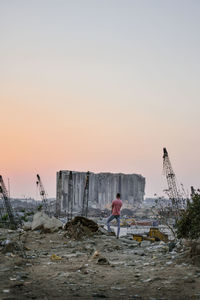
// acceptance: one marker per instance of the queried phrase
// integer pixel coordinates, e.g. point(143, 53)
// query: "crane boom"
point(43, 194)
point(7, 204)
point(172, 182)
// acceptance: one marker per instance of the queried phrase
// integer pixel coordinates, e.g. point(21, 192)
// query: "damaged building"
point(102, 189)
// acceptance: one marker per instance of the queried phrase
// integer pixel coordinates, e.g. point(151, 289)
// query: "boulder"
point(43, 222)
point(52, 225)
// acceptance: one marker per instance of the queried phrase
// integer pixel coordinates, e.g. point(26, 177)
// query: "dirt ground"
point(56, 267)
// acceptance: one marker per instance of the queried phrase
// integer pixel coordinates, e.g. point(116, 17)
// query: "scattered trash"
point(158, 235)
point(82, 265)
point(55, 257)
point(153, 235)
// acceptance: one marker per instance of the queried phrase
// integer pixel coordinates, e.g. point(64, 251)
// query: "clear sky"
point(99, 85)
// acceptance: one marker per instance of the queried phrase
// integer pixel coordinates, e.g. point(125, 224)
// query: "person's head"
point(118, 196)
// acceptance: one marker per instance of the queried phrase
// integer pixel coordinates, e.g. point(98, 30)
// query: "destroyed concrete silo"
point(102, 189)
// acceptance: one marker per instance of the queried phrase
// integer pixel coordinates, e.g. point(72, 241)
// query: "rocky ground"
point(36, 265)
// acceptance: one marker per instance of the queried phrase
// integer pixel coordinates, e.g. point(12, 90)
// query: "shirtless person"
point(116, 206)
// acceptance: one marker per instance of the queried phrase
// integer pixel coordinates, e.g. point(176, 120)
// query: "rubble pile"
point(80, 227)
point(98, 266)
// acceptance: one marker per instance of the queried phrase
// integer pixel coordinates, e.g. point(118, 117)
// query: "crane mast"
point(7, 204)
point(42, 194)
point(172, 183)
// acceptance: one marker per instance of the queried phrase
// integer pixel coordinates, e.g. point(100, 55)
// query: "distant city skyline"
point(99, 86)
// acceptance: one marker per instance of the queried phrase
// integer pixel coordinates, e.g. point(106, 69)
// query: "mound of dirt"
point(80, 227)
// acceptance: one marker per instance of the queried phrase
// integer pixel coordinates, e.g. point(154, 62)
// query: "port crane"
point(43, 194)
point(174, 196)
point(7, 204)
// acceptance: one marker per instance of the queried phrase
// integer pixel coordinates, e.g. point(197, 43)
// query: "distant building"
point(102, 189)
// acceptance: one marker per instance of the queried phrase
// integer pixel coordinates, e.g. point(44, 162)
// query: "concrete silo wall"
point(102, 189)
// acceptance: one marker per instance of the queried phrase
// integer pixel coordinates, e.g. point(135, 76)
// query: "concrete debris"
point(103, 230)
point(98, 264)
point(46, 224)
point(27, 226)
point(102, 261)
point(80, 227)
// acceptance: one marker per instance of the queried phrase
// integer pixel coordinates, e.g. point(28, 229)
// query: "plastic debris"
point(55, 257)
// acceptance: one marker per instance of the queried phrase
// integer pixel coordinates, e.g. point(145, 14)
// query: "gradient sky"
point(99, 85)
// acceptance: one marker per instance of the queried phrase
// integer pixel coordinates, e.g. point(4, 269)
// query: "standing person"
point(116, 206)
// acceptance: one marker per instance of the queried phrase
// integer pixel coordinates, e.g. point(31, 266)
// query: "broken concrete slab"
point(27, 226)
point(43, 222)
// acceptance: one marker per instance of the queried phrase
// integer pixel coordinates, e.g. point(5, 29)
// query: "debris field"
point(84, 261)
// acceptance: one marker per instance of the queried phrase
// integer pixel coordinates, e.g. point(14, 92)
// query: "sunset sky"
point(99, 85)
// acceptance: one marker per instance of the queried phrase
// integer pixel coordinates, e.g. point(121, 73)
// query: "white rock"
point(42, 221)
point(52, 224)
